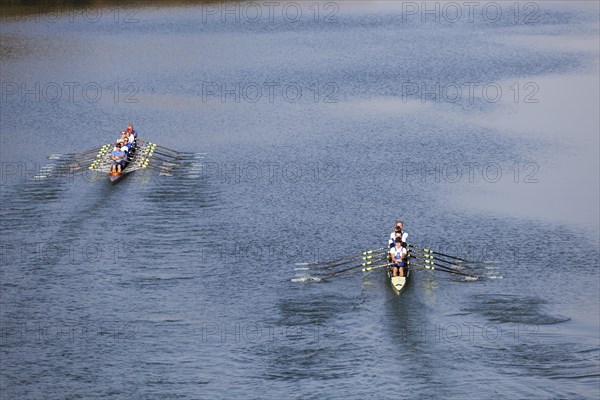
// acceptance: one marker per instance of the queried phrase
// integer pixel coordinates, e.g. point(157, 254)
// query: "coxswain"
point(118, 158)
point(398, 233)
point(398, 254)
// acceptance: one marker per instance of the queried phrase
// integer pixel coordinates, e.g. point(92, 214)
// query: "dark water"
point(318, 134)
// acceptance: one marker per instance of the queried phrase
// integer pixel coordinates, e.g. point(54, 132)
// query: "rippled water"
point(188, 287)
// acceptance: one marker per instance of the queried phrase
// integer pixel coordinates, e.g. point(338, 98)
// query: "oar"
point(162, 147)
point(76, 164)
point(138, 155)
point(152, 150)
point(432, 266)
point(175, 154)
point(100, 162)
point(426, 258)
point(75, 167)
point(163, 170)
point(449, 271)
point(431, 257)
point(102, 155)
point(426, 250)
point(143, 156)
point(366, 269)
point(149, 161)
point(76, 155)
point(143, 163)
point(98, 153)
point(152, 157)
point(365, 264)
point(148, 143)
point(329, 266)
point(375, 267)
point(362, 253)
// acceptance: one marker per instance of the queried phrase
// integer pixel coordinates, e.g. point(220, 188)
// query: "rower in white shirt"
point(398, 233)
point(398, 255)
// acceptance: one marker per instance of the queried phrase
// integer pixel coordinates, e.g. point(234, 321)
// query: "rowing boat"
point(117, 176)
point(143, 155)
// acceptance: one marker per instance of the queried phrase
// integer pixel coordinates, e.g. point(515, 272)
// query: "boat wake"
point(307, 279)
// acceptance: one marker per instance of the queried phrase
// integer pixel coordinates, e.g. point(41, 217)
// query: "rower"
point(398, 254)
point(118, 157)
point(125, 146)
point(398, 232)
point(130, 129)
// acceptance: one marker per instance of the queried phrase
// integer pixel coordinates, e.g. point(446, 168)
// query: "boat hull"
point(398, 283)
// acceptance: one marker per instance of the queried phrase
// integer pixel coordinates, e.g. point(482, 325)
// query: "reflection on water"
point(564, 118)
point(508, 308)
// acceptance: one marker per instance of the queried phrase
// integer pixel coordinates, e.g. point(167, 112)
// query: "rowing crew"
point(398, 251)
point(121, 150)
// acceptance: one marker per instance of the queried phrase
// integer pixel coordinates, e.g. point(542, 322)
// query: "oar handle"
point(375, 267)
point(364, 253)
